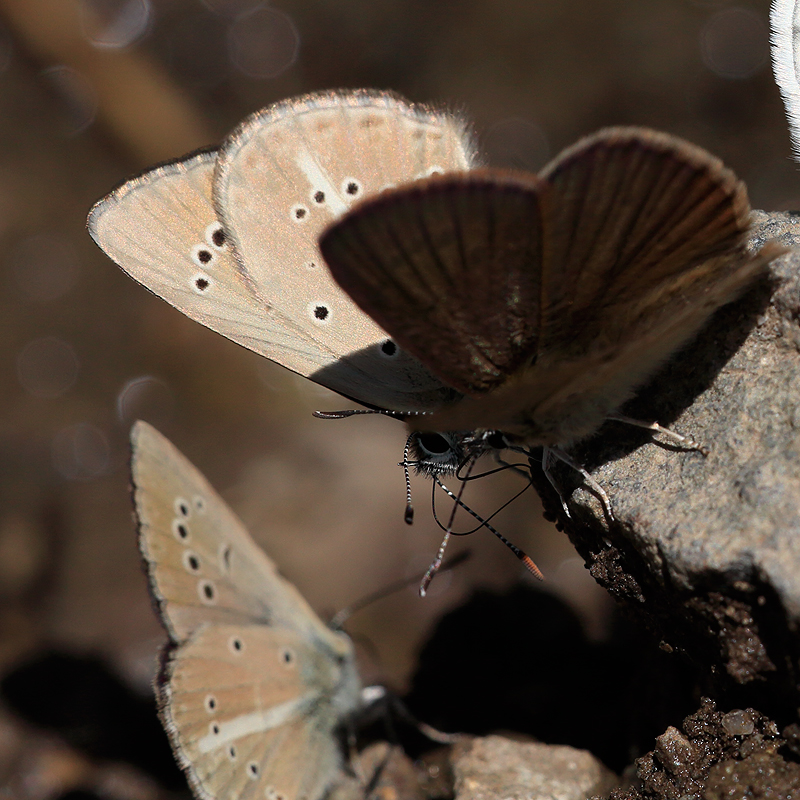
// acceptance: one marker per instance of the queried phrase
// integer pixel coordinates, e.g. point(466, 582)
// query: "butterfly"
point(785, 57)
point(254, 687)
point(545, 300)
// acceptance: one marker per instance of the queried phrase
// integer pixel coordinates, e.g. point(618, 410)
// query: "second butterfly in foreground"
point(254, 690)
point(546, 300)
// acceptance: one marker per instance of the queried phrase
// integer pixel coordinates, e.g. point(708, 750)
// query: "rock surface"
point(717, 756)
point(497, 767)
point(707, 548)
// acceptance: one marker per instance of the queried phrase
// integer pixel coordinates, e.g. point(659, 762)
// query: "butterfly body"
point(254, 690)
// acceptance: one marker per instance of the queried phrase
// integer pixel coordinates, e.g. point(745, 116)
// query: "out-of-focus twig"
point(137, 101)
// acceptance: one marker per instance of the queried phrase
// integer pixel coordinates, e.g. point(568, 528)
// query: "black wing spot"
point(204, 256)
point(299, 213)
point(352, 188)
point(191, 562)
point(208, 594)
point(319, 197)
point(182, 507)
point(389, 348)
point(201, 283)
point(180, 530)
point(321, 312)
point(225, 557)
point(218, 237)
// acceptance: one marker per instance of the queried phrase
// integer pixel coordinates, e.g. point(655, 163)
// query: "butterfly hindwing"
point(260, 729)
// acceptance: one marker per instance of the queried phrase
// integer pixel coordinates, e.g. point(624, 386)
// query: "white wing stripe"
point(257, 722)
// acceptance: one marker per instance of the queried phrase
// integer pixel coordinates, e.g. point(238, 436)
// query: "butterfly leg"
point(546, 453)
point(588, 479)
point(679, 439)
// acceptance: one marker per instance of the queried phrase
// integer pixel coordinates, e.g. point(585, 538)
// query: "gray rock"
point(495, 767)
point(707, 548)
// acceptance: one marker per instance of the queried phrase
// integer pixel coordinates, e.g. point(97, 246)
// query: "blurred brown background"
point(92, 91)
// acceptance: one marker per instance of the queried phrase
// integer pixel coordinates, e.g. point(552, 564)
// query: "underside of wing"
point(449, 266)
point(784, 23)
point(290, 170)
point(202, 563)
point(258, 722)
point(561, 400)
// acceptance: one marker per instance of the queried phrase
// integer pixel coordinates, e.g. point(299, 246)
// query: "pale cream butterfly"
point(254, 689)
point(785, 26)
point(230, 237)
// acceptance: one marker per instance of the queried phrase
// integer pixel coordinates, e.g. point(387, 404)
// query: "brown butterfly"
point(546, 300)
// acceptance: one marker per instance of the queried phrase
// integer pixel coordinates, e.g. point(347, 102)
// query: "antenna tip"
point(409, 515)
point(531, 566)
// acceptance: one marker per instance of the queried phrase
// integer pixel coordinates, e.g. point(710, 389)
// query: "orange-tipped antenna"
point(526, 560)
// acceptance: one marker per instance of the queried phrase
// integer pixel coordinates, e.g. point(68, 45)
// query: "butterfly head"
point(444, 453)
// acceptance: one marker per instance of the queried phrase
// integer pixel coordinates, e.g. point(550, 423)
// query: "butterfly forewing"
point(285, 174)
point(162, 230)
point(254, 686)
point(449, 266)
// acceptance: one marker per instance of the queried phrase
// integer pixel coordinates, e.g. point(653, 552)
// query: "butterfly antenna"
point(408, 516)
point(526, 560)
point(359, 412)
point(338, 620)
point(437, 562)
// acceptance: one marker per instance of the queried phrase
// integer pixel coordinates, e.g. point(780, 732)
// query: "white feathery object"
point(784, 21)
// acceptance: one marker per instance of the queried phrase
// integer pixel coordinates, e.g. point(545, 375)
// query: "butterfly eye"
point(434, 444)
point(299, 213)
point(351, 187)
